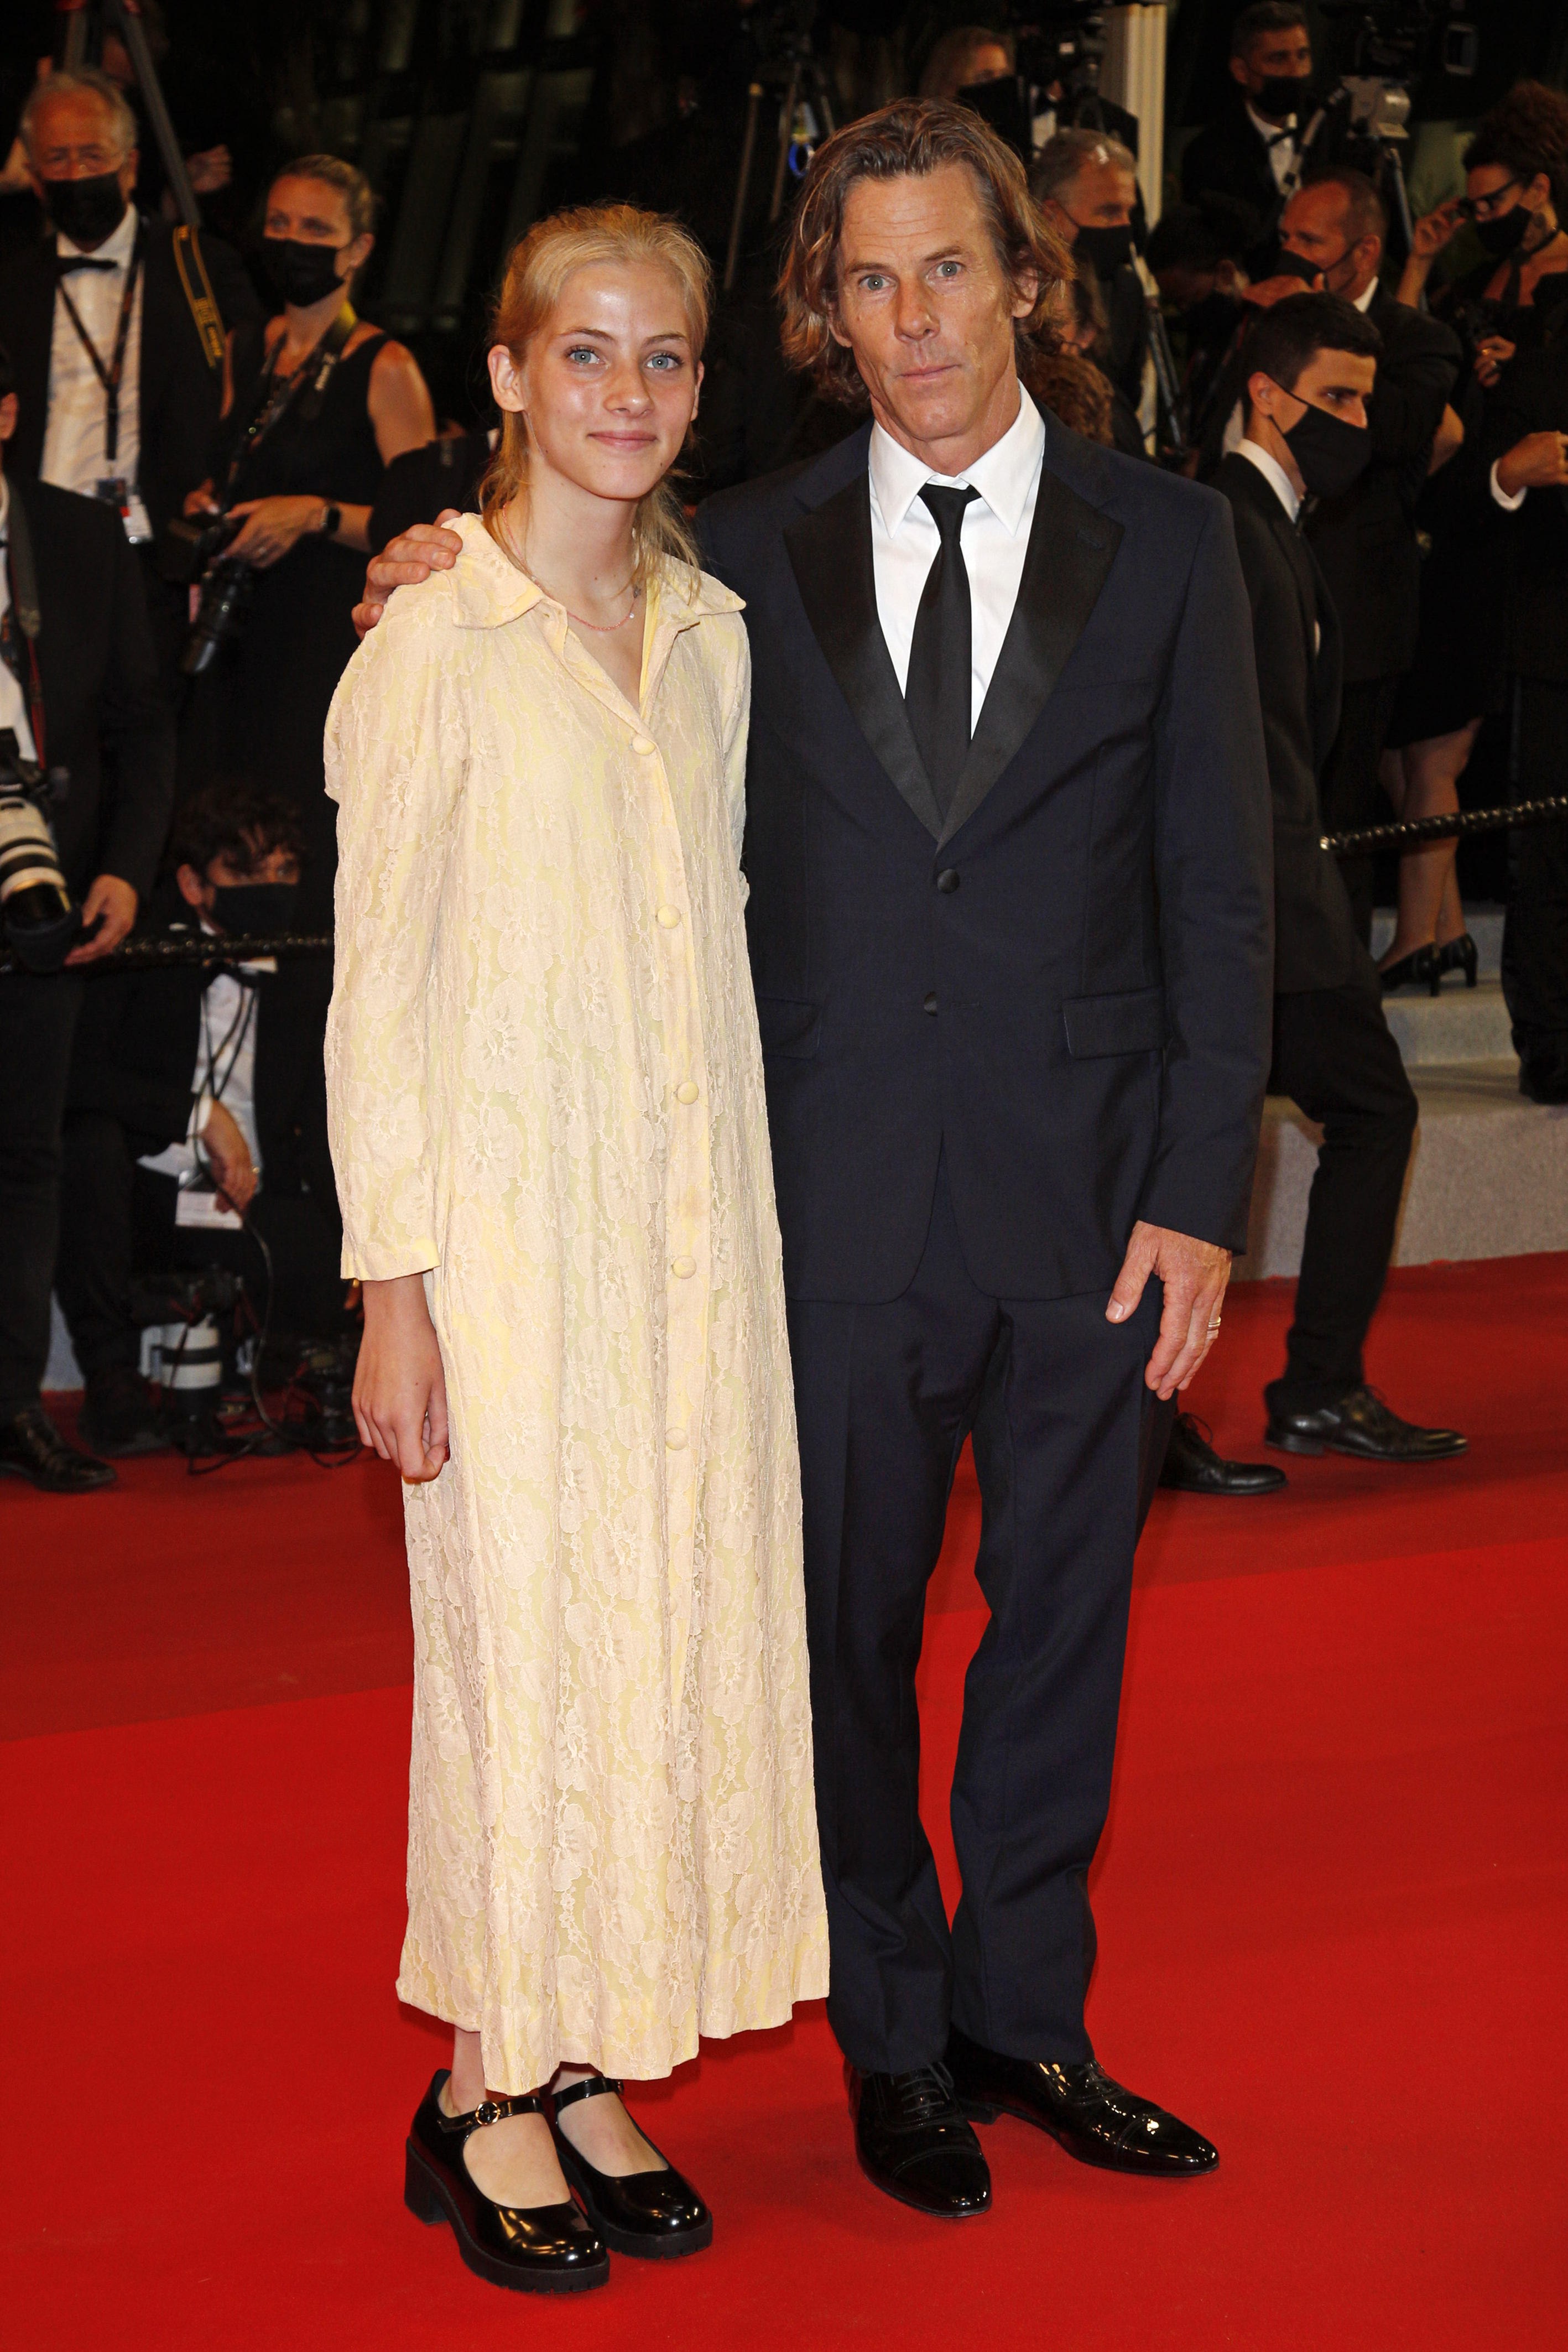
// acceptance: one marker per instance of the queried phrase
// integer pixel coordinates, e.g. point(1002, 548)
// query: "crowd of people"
point(807, 974)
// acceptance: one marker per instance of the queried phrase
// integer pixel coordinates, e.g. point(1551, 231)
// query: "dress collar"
point(488, 590)
point(1004, 477)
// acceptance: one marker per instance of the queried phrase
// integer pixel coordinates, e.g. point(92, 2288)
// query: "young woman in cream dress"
point(551, 1148)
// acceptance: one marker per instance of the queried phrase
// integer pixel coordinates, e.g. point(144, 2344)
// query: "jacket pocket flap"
point(789, 1025)
point(1133, 1022)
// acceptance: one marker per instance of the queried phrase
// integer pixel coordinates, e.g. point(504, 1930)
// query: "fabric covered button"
point(675, 1440)
point(684, 1266)
point(686, 1092)
point(644, 743)
point(669, 916)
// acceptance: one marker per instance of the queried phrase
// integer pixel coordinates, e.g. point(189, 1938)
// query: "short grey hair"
point(1062, 159)
point(89, 83)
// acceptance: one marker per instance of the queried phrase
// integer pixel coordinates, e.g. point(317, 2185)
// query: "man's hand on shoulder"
point(1195, 1275)
point(403, 562)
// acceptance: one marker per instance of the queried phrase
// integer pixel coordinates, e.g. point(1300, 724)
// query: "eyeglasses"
point(1487, 207)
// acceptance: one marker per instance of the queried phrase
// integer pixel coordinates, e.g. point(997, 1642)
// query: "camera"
point(194, 549)
point(1062, 46)
point(40, 921)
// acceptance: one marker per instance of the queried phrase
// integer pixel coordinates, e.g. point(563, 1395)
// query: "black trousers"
point(117, 1226)
point(1535, 929)
point(1348, 790)
point(37, 1022)
point(1333, 1055)
point(1067, 1443)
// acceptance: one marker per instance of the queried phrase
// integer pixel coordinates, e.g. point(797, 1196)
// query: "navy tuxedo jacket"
point(1067, 985)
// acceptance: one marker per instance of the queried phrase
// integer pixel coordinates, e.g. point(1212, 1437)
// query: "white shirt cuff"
point(1509, 505)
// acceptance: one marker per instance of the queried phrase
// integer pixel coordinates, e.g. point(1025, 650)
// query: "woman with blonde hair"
point(550, 1140)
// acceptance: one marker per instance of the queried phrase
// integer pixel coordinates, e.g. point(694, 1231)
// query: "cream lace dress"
point(545, 1096)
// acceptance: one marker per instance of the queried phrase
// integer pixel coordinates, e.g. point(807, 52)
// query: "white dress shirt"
point(12, 701)
point(1274, 474)
point(1282, 140)
point(74, 455)
point(226, 1073)
point(905, 541)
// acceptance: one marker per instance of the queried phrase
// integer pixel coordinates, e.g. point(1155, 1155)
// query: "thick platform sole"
point(429, 2200)
point(694, 2240)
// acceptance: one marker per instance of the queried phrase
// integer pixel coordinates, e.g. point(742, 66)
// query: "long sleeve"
point(396, 757)
point(736, 725)
point(1213, 852)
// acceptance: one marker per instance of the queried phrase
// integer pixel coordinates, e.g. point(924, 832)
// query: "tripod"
point(806, 82)
point(86, 23)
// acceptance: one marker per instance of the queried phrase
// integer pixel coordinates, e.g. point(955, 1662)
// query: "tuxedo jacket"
point(1531, 398)
point(1365, 540)
point(1227, 157)
point(1065, 985)
point(102, 690)
point(179, 396)
point(1297, 642)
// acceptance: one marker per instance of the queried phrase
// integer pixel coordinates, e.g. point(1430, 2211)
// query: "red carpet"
point(1332, 1905)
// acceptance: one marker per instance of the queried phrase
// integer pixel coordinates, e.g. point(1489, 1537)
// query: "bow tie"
point(1280, 138)
point(63, 268)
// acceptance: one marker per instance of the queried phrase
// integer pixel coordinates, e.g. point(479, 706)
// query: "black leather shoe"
point(1095, 2119)
point(1419, 969)
point(1361, 1424)
point(1543, 1078)
point(914, 2143)
point(545, 2249)
point(32, 1447)
point(1193, 1467)
point(653, 2213)
point(118, 1417)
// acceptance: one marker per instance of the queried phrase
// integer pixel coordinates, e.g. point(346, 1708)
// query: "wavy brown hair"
point(908, 139)
point(536, 270)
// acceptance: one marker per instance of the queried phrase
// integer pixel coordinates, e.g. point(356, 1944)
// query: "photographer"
point(85, 684)
point(1255, 152)
point(195, 1120)
point(318, 403)
point(1086, 184)
point(118, 357)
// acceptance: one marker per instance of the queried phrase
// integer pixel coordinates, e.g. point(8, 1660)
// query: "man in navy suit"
point(1007, 842)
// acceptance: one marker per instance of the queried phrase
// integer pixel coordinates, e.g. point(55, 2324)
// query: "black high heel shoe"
point(1420, 966)
point(656, 2215)
point(545, 2249)
point(1457, 955)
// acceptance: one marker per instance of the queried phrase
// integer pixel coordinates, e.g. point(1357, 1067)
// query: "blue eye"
point(582, 351)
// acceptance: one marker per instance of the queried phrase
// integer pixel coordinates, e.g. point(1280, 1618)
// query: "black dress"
point(275, 684)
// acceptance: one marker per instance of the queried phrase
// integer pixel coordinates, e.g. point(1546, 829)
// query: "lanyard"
point(109, 376)
point(276, 396)
point(238, 1029)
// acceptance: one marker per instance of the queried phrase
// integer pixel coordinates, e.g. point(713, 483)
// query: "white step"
point(1483, 923)
point(1458, 1024)
point(1489, 1175)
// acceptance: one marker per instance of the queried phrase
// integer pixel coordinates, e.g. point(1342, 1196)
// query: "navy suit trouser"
point(1068, 1442)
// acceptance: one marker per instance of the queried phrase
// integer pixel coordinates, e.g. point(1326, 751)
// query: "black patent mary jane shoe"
point(542, 2249)
point(657, 2215)
point(913, 2142)
point(1094, 2119)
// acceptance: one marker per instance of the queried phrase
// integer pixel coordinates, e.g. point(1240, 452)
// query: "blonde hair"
point(537, 271)
point(332, 171)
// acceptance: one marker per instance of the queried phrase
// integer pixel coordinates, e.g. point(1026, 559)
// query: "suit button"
point(684, 1266)
point(947, 880)
point(686, 1092)
point(930, 1003)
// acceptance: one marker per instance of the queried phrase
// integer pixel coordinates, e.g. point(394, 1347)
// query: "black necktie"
point(937, 694)
point(64, 265)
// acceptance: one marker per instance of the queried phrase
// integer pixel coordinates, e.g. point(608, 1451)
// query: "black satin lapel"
point(1071, 548)
point(830, 550)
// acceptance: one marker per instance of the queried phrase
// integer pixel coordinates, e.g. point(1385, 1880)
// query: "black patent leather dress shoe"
point(1094, 2119)
point(1362, 1424)
point(915, 2143)
point(1193, 1467)
point(544, 2249)
point(32, 1447)
point(655, 2214)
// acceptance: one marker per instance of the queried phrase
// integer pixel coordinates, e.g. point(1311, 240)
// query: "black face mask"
point(1330, 454)
point(1296, 265)
point(1507, 232)
point(87, 211)
point(258, 909)
point(303, 274)
point(1106, 250)
point(1284, 94)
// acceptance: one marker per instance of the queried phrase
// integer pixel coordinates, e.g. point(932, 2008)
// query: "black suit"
point(1228, 158)
point(1332, 1051)
point(1365, 542)
point(100, 690)
point(131, 1096)
point(178, 393)
point(991, 1042)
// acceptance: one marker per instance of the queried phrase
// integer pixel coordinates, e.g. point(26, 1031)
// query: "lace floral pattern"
point(545, 1095)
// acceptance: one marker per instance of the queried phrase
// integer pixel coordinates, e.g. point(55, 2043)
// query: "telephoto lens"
point(40, 922)
point(226, 593)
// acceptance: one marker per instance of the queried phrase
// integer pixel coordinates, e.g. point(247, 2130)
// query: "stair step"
point(1488, 1176)
point(1458, 1024)
point(1483, 923)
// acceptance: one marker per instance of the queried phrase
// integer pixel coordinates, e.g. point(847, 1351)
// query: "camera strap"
point(201, 302)
point(276, 396)
point(109, 376)
point(23, 581)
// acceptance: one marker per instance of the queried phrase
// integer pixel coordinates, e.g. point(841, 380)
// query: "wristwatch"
point(329, 521)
